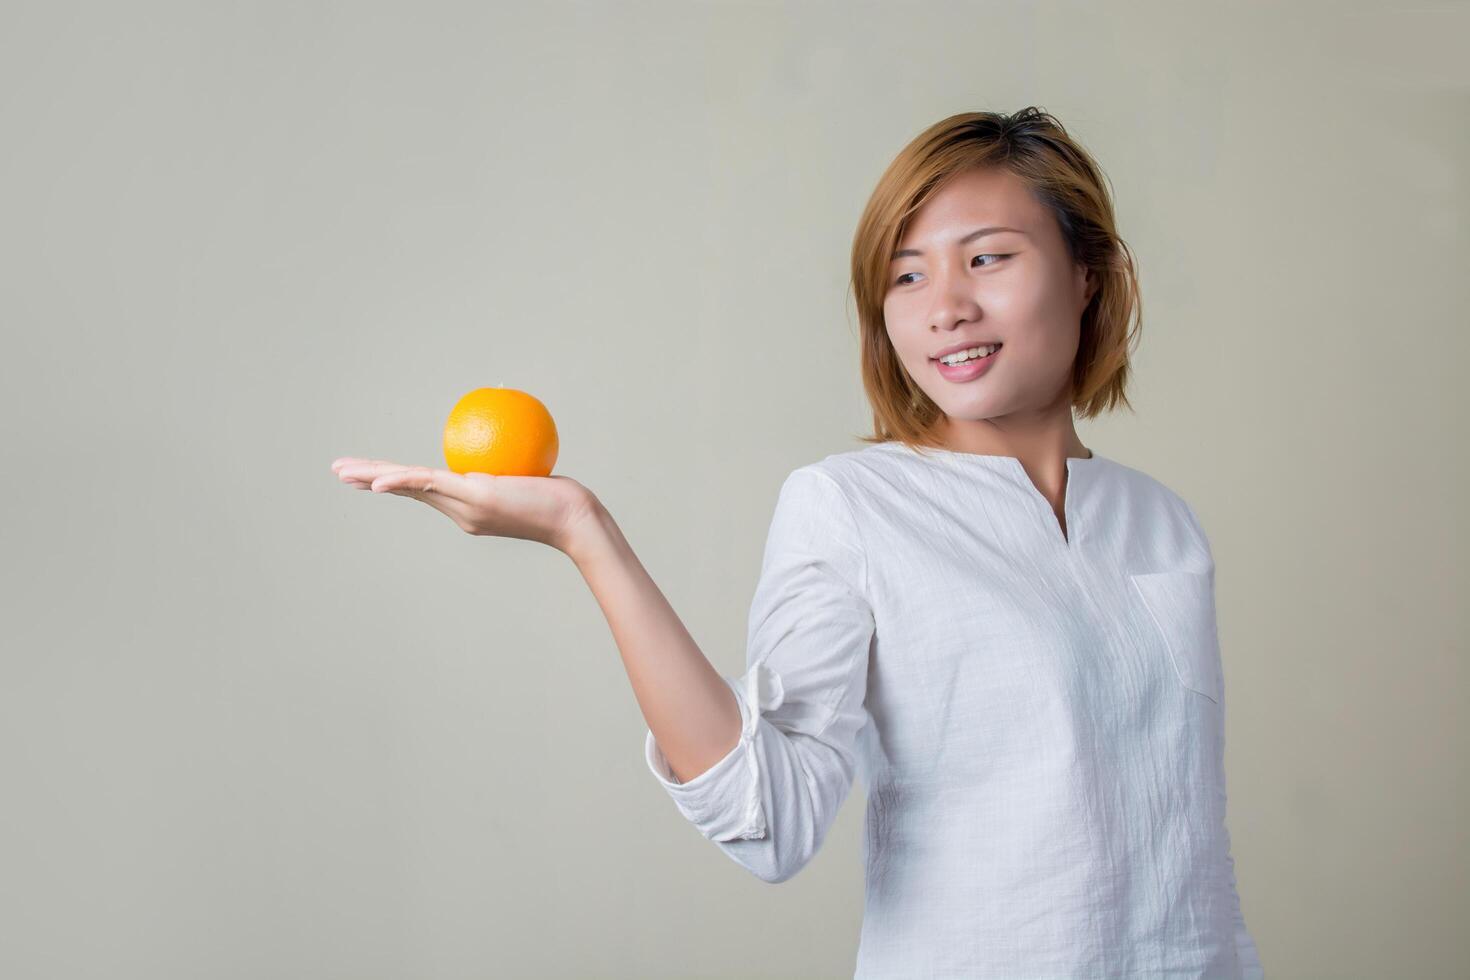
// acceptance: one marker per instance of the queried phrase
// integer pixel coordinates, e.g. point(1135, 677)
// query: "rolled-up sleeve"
point(769, 803)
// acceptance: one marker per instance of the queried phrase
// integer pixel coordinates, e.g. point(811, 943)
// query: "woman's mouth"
point(970, 369)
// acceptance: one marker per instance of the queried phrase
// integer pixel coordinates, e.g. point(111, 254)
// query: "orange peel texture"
point(500, 431)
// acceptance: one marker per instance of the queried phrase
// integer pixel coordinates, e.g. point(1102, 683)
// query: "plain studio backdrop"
point(257, 724)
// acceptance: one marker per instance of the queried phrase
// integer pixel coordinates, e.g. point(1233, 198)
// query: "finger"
point(348, 462)
point(421, 478)
point(369, 470)
point(341, 461)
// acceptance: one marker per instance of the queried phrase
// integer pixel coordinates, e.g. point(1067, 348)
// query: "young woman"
point(1012, 638)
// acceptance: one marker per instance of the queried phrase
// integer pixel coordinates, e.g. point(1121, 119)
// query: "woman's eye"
point(988, 255)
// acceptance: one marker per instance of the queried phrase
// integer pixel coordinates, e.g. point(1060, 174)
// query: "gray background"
point(254, 723)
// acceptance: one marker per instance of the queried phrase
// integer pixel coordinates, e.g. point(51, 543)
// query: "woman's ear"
point(1087, 283)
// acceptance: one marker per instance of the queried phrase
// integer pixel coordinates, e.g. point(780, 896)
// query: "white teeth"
point(960, 357)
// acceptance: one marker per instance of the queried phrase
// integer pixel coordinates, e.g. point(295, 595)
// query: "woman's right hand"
point(535, 508)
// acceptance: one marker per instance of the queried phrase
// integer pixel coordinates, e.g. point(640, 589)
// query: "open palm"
point(534, 508)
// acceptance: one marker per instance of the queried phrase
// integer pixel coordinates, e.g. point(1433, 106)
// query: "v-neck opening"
point(1067, 539)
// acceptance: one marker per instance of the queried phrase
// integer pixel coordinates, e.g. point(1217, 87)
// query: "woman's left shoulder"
point(1169, 506)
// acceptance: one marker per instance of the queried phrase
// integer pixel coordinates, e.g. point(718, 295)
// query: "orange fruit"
point(500, 431)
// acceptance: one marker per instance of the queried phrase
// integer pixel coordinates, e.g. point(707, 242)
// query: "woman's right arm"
point(689, 708)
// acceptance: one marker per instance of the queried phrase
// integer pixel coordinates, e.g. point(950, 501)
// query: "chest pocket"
point(1181, 606)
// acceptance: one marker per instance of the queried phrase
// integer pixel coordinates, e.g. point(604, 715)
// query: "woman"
point(1011, 637)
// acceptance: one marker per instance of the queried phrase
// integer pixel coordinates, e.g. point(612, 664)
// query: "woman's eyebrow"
point(978, 233)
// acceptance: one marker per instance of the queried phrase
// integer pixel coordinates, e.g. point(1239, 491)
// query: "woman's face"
point(949, 287)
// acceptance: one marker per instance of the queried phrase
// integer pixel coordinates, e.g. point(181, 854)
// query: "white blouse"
point(1038, 719)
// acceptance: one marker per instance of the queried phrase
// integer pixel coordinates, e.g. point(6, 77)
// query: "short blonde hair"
point(1035, 147)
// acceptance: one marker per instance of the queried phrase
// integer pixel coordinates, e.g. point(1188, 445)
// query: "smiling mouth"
point(995, 348)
